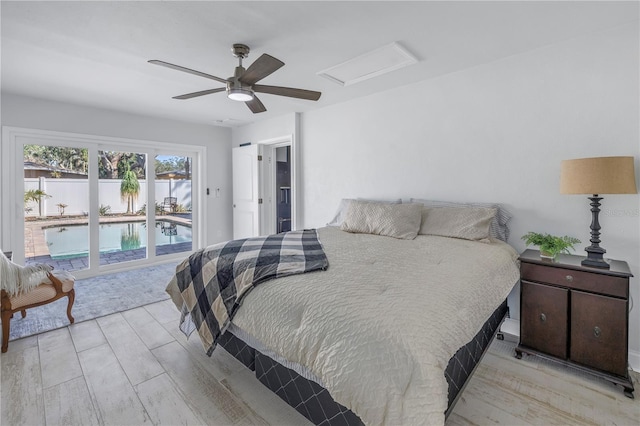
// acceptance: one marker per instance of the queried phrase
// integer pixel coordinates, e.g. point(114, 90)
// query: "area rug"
point(97, 297)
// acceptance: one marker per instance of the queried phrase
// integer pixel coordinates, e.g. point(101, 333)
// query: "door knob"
point(543, 317)
point(597, 331)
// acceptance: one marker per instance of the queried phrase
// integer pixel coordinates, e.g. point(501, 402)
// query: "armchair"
point(23, 288)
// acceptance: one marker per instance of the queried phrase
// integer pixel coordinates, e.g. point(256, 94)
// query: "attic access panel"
point(372, 64)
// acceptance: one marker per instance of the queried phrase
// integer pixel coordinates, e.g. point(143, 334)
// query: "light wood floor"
point(136, 367)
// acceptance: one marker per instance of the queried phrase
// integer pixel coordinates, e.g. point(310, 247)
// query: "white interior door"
point(246, 191)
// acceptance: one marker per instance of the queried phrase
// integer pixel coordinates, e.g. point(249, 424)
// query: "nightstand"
point(577, 315)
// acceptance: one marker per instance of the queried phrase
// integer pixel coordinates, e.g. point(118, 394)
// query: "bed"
point(388, 334)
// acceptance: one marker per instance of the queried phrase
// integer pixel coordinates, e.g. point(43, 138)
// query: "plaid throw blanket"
point(214, 280)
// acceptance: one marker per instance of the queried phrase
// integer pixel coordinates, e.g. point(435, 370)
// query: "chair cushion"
point(44, 291)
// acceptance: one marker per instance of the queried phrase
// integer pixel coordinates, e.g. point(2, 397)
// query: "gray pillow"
point(338, 218)
point(498, 228)
point(392, 220)
point(468, 223)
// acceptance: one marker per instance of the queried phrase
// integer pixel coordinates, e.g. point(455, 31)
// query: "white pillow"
point(468, 223)
point(392, 220)
point(338, 218)
point(498, 228)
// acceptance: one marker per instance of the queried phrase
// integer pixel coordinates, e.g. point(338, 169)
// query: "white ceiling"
point(95, 53)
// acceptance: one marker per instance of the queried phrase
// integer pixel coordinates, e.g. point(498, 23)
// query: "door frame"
point(12, 209)
point(268, 182)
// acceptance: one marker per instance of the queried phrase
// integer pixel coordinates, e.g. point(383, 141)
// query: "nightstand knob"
point(596, 331)
point(543, 317)
point(569, 278)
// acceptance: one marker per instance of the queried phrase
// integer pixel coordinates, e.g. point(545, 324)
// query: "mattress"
point(303, 391)
point(378, 328)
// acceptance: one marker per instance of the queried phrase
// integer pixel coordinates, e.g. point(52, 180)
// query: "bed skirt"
point(314, 402)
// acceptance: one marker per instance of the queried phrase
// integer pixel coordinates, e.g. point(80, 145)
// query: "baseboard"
point(634, 360)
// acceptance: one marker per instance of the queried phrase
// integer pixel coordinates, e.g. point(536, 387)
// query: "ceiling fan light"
point(240, 94)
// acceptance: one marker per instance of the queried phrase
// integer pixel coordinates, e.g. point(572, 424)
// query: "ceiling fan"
point(242, 85)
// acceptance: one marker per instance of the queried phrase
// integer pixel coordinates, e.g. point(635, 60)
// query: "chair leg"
point(6, 320)
point(72, 297)
point(24, 313)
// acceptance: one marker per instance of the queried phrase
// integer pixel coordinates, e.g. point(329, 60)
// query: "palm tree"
point(36, 195)
point(129, 189)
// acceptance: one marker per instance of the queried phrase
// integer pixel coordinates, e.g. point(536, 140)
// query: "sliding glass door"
point(56, 205)
point(98, 206)
point(122, 191)
point(174, 204)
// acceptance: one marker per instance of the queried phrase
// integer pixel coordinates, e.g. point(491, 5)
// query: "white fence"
point(75, 194)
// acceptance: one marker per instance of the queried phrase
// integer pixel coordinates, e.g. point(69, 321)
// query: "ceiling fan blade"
point(190, 71)
point(262, 67)
point(201, 93)
point(255, 105)
point(288, 91)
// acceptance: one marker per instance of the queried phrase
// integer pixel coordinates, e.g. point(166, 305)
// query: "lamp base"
point(595, 263)
point(594, 258)
point(594, 251)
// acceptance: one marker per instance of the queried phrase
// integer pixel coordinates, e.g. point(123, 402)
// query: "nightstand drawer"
point(544, 320)
point(599, 332)
point(580, 280)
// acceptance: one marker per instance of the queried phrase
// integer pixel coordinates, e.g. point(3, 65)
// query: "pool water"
point(66, 242)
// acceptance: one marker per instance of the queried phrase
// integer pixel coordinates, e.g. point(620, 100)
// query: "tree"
point(113, 165)
point(173, 164)
point(129, 189)
point(73, 159)
point(36, 195)
point(108, 166)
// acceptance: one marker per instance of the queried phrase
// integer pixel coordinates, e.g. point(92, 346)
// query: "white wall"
point(276, 127)
point(496, 132)
point(21, 111)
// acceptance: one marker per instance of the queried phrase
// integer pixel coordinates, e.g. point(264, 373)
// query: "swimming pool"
point(66, 242)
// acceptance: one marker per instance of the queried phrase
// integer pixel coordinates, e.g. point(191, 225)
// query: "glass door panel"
point(173, 233)
point(56, 206)
point(122, 189)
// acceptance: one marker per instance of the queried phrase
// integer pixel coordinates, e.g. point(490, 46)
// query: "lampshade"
point(599, 175)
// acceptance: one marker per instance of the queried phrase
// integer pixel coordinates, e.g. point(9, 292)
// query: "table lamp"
point(599, 175)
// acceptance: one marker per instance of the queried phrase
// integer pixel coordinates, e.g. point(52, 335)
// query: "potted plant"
point(550, 245)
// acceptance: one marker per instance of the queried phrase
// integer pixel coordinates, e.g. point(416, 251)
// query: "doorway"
point(283, 188)
point(93, 205)
point(264, 188)
point(278, 186)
